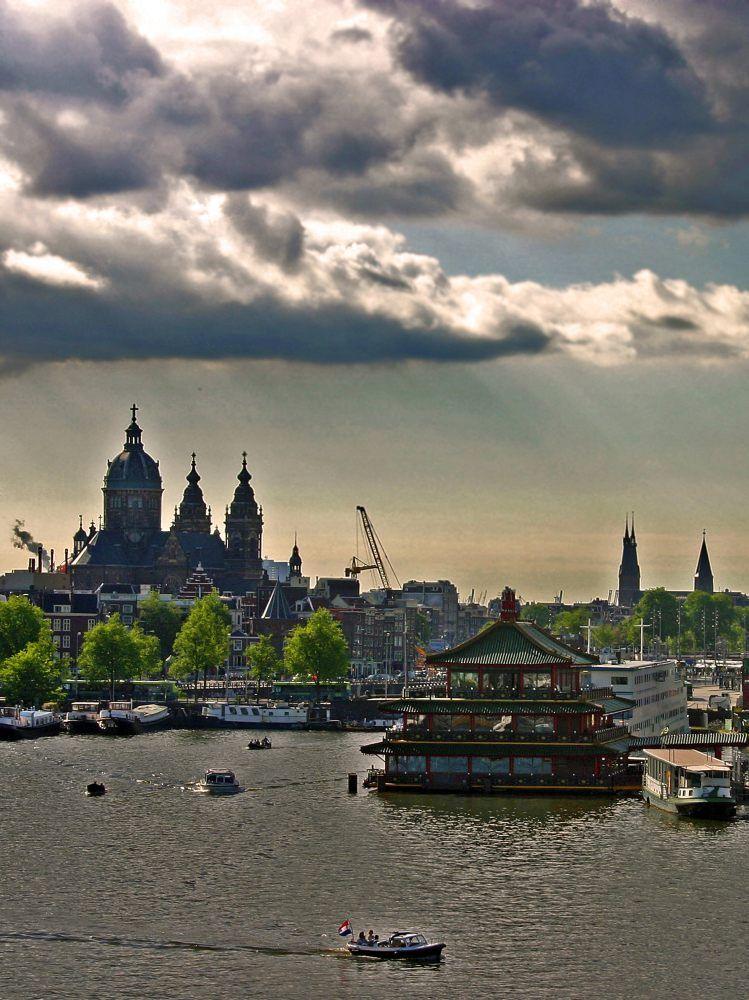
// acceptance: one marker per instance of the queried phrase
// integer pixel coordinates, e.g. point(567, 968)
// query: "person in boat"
point(371, 937)
point(362, 939)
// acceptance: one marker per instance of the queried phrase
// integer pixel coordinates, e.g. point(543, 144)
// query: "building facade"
point(656, 688)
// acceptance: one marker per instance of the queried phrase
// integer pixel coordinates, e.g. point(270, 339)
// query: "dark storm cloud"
point(47, 323)
point(581, 66)
point(91, 53)
point(275, 236)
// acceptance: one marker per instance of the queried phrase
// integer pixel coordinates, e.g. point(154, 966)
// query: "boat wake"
point(59, 937)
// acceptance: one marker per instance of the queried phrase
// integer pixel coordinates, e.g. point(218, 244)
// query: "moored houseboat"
point(689, 783)
point(119, 719)
point(228, 715)
point(83, 717)
point(24, 723)
point(516, 718)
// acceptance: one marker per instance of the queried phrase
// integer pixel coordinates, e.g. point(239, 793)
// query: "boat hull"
point(384, 953)
point(76, 727)
point(692, 808)
point(13, 733)
point(120, 727)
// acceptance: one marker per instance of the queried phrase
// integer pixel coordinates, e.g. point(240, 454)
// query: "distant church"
point(130, 546)
point(629, 592)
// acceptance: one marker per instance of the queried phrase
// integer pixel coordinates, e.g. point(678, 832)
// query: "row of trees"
point(195, 647)
point(700, 622)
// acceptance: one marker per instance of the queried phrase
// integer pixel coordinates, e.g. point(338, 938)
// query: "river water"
point(153, 891)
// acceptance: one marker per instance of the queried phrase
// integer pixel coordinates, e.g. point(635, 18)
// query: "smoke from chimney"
point(23, 539)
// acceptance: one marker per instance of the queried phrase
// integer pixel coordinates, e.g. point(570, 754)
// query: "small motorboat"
point(404, 945)
point(94, 789)
point(218, 781)
point(264, 744)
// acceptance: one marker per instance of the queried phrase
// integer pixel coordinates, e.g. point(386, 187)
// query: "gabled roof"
point(511, 644)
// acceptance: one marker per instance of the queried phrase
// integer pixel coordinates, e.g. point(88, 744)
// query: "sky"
point(479, 266)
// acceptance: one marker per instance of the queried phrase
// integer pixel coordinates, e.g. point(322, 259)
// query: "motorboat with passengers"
point(401, 945)
point(218, 781)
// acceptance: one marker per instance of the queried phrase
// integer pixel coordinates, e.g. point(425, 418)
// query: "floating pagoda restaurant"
point(517, 718)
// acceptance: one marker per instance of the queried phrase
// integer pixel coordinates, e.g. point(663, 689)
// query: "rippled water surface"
point(153, 891)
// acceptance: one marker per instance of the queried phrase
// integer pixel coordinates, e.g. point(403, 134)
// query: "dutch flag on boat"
point(345, 929)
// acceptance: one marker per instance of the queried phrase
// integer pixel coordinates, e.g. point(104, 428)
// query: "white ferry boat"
point(227, 715)
point(22, 723)
point(218, 781)
point(689, 783)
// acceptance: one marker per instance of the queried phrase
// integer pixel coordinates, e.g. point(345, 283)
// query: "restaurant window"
point(490, 765)
point(531, 765)
point(464, 682)
point(411, 764)
point(496, 681)
point(450, 765)
point(539, 725)
point(492, 723)
point(537, 680)
point(451, 724)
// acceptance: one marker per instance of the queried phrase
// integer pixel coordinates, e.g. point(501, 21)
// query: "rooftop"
point(691, 759)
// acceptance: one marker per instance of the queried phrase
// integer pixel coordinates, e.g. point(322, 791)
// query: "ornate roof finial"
point(134, 409)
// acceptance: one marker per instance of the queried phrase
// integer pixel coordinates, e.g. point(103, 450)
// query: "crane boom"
point(374, 548)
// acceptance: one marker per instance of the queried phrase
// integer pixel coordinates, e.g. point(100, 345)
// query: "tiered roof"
point(511, 644)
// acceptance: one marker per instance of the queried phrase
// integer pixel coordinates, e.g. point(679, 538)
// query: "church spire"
point(703, 577)
point(295, 562)
point(193, 514)
point(629, 569)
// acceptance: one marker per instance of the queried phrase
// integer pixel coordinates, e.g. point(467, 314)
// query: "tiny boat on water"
point(23, 723)
point(689, 783)
point(264, 744)
point(401, 945)
point(218, 781)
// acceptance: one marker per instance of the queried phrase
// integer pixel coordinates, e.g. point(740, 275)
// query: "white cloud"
point(49, 268)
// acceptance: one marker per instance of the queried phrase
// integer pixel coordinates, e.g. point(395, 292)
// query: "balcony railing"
point(418, 733)
point(537, 694)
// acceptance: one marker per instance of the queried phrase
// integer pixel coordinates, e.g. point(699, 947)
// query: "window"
point(56, 624)
point(66, 642)
point(490, 766)
point(531, 765)
point(496, 681)
point(238, 645)
point(540, 725)
point(464, 681)
point(493, 723)
point(127, 608)
point(451, 724)
point(536, 680)
point(91, 622)
point(66, 624)
point(243, 711)
point(619, 681)
point(408, 765)
point(450, 765)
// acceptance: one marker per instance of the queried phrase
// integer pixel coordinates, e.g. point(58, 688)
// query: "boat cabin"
point(685, 775)
point(402, 939)
point(215, 777)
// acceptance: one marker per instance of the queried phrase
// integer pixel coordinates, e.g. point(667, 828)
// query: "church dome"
point(133, 468)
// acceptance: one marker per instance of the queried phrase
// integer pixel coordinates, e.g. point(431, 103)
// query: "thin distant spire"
point(626, 526)
point(632, 536)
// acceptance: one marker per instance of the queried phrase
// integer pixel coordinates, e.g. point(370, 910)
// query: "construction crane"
point(377, 555)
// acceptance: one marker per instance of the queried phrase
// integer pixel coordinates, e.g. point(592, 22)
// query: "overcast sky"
point(480, 266)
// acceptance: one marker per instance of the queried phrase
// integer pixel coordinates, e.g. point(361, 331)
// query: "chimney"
point(40, 561)
point(51, 560)
point(32, 565)
point(67, 556)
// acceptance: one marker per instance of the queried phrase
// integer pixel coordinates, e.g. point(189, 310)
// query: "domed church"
point(130, 546)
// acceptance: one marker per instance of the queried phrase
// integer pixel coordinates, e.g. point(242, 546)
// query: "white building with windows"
point(659, 693)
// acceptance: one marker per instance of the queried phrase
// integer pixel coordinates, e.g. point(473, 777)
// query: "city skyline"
point(372, 246)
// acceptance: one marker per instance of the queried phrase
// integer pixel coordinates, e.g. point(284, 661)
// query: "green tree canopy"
point(32, 675)
point(538, 613)
point(21, 622)
point(162, 619)
point(263, 661)
point(570, 622)
point(659, 608)
point(317, 650)
point(202, 644)
point(113, 652)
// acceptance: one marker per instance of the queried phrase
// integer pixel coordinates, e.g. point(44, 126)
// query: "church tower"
point(192, 514)
point(295, 564)
point(629, 570)
point(703, 578)
point(80, 538)
point(244, 528)
point(132, 489)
